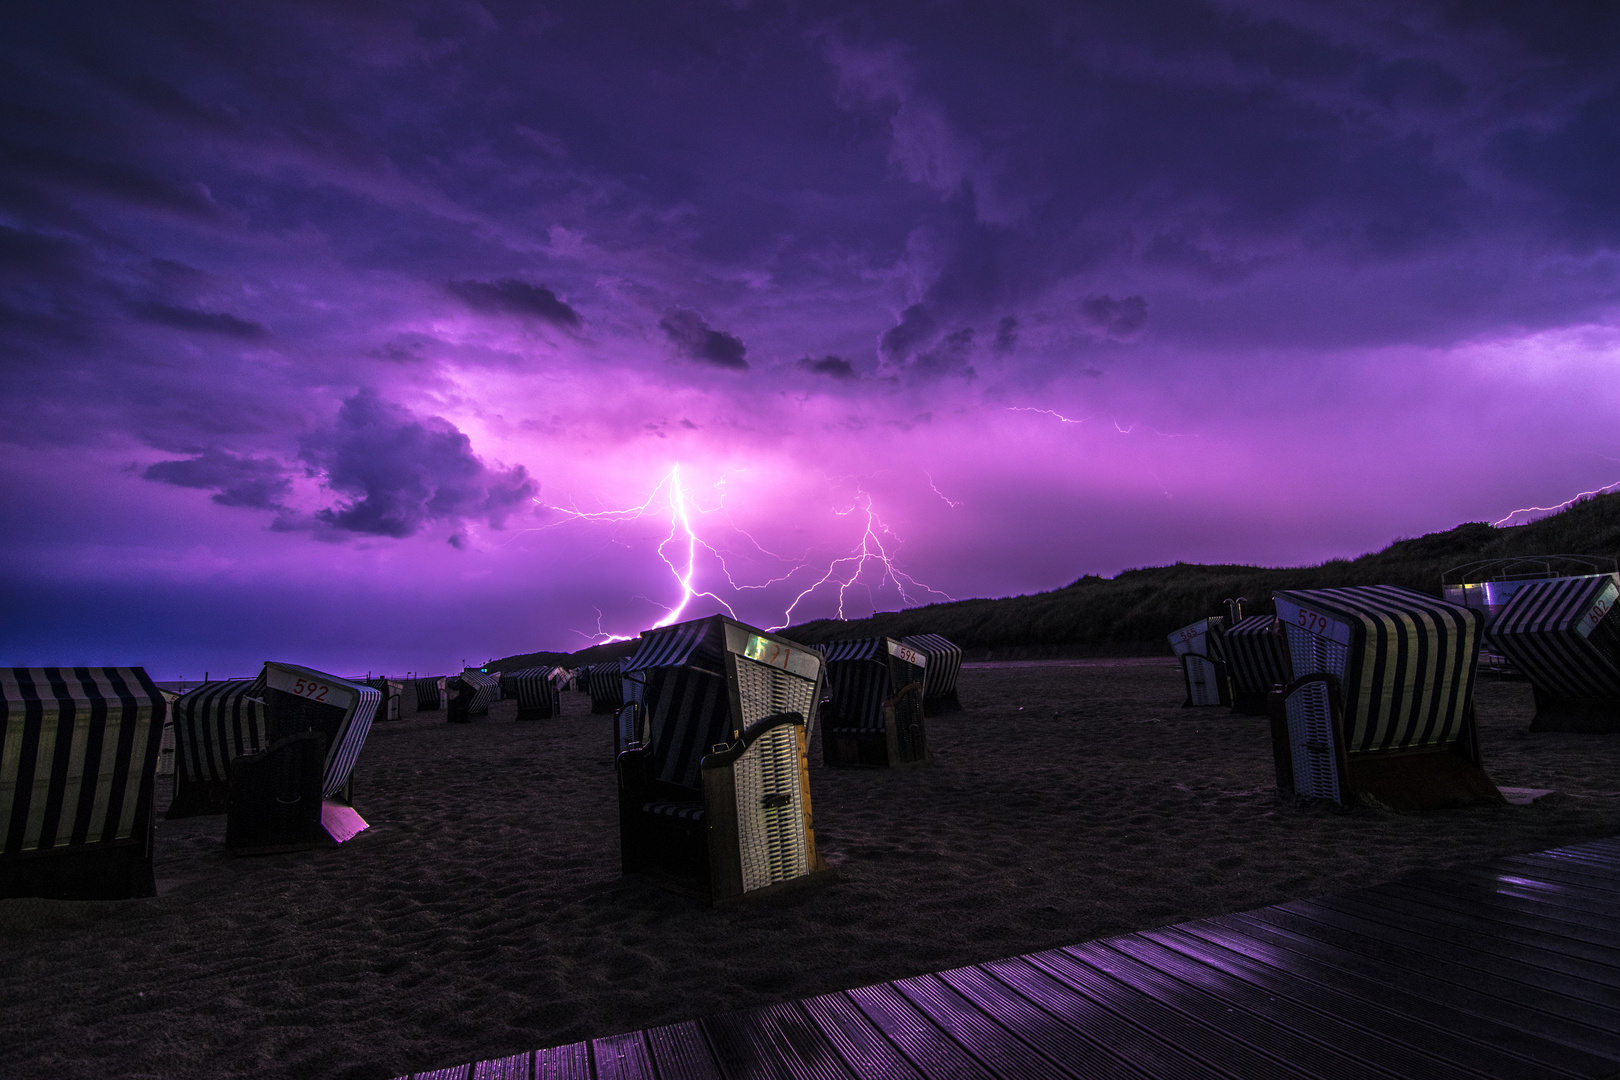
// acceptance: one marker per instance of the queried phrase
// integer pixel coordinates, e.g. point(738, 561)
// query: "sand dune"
point(484, 914)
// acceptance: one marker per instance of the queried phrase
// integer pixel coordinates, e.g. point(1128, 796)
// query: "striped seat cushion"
point(684, 811)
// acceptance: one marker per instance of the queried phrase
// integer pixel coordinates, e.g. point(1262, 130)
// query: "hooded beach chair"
point(78, 776)
point(714, 792)
point(536, 692)
point(471, 694)
point(214, 724)
point(1256, 662)
point(874, 712)
point(1562, 634)
point(607, 686)
point(298, 791)
point(943, 663)
point(1203, 662)
point(1381, 705)
point(429, 694)
point(391, 691)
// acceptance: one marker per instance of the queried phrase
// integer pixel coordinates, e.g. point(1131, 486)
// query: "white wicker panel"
point(1310, 740)
point(766, 691)
point(1202, 686)
point(1310, 653)
point(771, 837)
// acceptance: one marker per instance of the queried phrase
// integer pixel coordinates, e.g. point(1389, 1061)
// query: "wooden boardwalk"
point(1510, 969)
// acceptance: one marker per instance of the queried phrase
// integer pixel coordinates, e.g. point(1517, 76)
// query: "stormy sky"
point(383, 336)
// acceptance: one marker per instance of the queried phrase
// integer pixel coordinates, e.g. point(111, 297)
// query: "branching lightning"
point(950, 502)
point(1542, 511)
point(1049, 412)
point(681, 548)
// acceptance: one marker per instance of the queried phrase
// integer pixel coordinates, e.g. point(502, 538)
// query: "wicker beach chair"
point(607, 686)
point(874, 709)
point(78, 776)
point(391, 690)
point(1562, 634)
point(1381, 706)
point(471, 694)
point(1256, 662)
point(299, 791)
point(1203, 662)
point(714, 793)
point(214, 724)
point(429, 694)
point(536, 692)
point(943, 664)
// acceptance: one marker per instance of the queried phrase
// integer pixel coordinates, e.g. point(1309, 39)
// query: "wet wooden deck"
point(1510, 969)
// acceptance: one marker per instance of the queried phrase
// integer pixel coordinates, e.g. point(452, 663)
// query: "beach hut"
point(1203, 662)
point(391, 691)
point(78, 777)
point(1380, 708)
point(874, 713)
point(213, 724)
point(298, 791)
point(1256, 662)
point(607, 686)
point(943, 664)
point(715, 798)
point(429, 694)
point(1563, 635)
point(471, 693)
point(536, 693)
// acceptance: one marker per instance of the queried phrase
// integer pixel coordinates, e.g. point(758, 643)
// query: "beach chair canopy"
point(1562, 634)
point(301, 699)
point(1257, 655)
point(607, 685)
point(483, 687)
point(536, 691)
point(1404, 661)
point(943, 663)
point(1201, 638)
point(78, 775)
point(429, 694)
point(214, 723)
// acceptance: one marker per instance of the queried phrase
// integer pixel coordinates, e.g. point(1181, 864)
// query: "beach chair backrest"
point(1563, 634)
point(1257, 654)
point(303, 699)
point(1405, 661)
point(1202, 637)
point(78, 755)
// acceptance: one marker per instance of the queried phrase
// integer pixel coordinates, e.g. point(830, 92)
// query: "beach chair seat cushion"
point(684, 811)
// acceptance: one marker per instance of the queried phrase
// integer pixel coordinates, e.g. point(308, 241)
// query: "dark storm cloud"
point(1006, 334)
point(695, 339)
point(916, 327)
point(834, 367)
point(1123, 319)
point(257, 483)
point(207, 322)
point(951, 356)
point(401, 471)
point(510, 296)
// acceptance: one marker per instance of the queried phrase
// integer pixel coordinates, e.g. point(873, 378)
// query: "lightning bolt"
point(681, 547)
point(950, 502)
point(1565, 505)
point(1049, 412)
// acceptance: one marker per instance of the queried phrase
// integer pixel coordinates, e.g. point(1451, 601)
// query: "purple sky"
point(324, 327)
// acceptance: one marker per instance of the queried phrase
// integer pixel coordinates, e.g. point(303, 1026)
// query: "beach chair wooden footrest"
point(276, 797)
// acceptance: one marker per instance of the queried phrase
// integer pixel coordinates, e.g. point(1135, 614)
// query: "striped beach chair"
point(944, 664)
point(1563, 635)
point(214, 724)
point(429, 694)
point(1256, 662)
point(536, 693)
point(471, 694)
point(1380, 708)
point(78, 776)
point(298, 791)
point(391, 690)
point(607, 686)
point(874, 711)
point(1199, 647)
point(714, 792)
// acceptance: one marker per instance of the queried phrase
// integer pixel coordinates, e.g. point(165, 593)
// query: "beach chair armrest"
point(750, 735)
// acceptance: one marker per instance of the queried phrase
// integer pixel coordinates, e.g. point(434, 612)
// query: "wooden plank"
point(1429, 1044)
point(1317, 921)
point(1595, 1031)
point(455, 1072)
point(516, 1067)
point(1598, 874)
point(622, 1057)
point(807, 1053)
point(681, 1052)
point(930, 1052)
point(1005, 1053)
point(1592, 961)
point(571, 1061)
point(1531, 914)
point(1585, 905)
point(743, 1047)
point(1082, 1050)
point(864, 1049)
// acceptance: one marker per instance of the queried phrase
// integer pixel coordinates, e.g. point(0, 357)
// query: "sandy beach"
point(484, 913)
